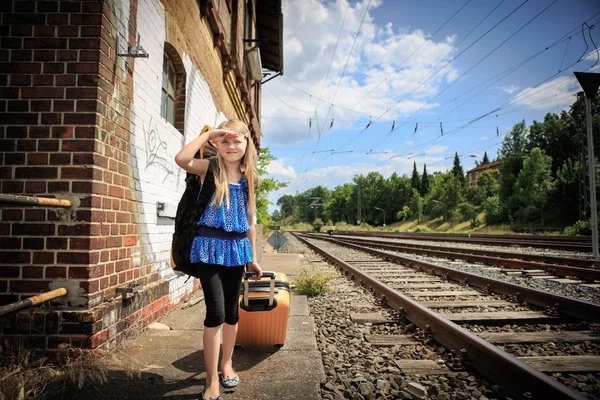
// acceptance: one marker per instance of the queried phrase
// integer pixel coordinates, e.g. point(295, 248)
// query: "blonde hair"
point(247, 167)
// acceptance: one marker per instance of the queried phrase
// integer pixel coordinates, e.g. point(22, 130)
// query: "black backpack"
point(190, 208)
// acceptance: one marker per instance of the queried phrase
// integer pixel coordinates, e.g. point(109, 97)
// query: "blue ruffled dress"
point(226, 252)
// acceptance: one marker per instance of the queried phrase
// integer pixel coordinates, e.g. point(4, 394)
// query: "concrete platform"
point(173, 365)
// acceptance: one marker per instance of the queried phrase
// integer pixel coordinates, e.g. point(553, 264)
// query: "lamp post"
point(445, 211)
point(377, 208)
point(590, 82)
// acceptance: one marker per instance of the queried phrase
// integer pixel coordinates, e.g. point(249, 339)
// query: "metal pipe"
point(34, 201)
point(592, 175)
point(32, 301)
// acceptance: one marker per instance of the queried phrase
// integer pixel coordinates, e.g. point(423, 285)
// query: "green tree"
point(567, 190)
point(265, 186)
point(286, 205)
point(485, 160)
point(424, 181)
point(457, 170)
point(513, 151)
point(415, 180)
point(489, 181)
point(416, 205)
point(339, 205)
point(534, 183)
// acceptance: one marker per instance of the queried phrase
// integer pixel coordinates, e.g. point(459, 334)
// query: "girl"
point(225, 241)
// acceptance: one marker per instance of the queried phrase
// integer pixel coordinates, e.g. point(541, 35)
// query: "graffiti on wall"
point(155, 146)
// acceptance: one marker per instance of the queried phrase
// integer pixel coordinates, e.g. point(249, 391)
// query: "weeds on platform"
point(315, 282)
point(23, 375)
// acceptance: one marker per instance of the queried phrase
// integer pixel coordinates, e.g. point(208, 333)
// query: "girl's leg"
point(212, 287)
point(232, 283)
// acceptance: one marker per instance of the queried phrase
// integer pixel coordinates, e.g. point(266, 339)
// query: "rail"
point(519, 378)
point(32, 301)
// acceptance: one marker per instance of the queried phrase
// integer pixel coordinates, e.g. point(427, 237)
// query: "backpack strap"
point(208, 188)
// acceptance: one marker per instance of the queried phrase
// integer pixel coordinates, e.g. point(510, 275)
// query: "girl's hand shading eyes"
point(222, 134)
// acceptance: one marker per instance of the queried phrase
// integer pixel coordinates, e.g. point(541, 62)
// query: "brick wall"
point(82, 123)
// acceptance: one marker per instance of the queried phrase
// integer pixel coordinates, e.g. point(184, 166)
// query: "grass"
point(313, 282)
point(24, 376)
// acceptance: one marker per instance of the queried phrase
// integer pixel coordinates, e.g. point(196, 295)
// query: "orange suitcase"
point(264, 310)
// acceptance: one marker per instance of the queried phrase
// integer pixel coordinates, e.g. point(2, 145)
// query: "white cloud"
point(277, 170)
point(553, 94)
point(436, 149)
point(510, 89)
point(379, 67)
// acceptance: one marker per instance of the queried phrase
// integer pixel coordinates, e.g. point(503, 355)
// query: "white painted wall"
point(155, 142)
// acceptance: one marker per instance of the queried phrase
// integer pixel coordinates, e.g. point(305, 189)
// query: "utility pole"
point(590, 82)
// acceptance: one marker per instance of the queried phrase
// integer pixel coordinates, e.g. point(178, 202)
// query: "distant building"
point(473, 174)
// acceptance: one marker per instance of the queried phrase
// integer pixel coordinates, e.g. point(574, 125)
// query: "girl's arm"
point(253, 266)
point(185, 158)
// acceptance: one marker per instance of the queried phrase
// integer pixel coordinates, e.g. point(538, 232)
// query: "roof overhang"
point(269, 27)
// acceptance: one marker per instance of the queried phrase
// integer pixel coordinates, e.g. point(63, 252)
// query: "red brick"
point(56, 243)
point(41, 105)
point(58, 19)
point(29, 286)
point(56, 272)
point(78, 145)
point(43, 258)
point(80, 173)
point(85, 132)
point(64, 105)
point(36, 172)
point(10, 272)
point(88, 80)
point(26, 145)
point(33, 243)
point(82, 93)
point(20, 80)
point(51, 118)
point(90, 43)
point(12, 214)
point(47, 6)
point(79, 118)
point(16, 132)
point(14, 257)
point(23, 55)
point(33, 229)
point(44, 31)
point(43, 80)
point(62, 131)
point(24, 6)
point(129, 240)
point(45, 43)
point(21, 30)
point(12, 186)
point(73, 257)
point(54, 187)
point(37, 158)
point(11, 43)
point(70, 7)
point(60, 159)
point(54, 68)
point(33, 273)
point(32, 187)
point(74, 230)
point(48, 145)
point(18, 118)
point(39, 132)
point(18, 105)
point(35, 214)
point(42, 93)
point(68, 31)
point(89, 55)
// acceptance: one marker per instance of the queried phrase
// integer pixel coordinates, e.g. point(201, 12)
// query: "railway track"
point(550, 242)
point(540, 265)
point(450, 313)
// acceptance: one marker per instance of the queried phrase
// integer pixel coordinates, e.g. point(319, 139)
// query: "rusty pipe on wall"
point(19, 200)
point(32, 301)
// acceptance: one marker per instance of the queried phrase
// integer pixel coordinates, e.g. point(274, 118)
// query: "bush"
point(467, 211)
point(579, 228)
point(423, 229)
point(317, 225)
point(493, 210)
point(313, 284)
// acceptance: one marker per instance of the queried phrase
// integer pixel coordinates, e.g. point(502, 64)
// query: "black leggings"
point(221, 286)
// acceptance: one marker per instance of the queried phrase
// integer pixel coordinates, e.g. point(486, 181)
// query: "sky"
point(377, 85)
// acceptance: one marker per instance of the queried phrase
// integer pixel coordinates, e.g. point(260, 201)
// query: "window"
point(169, 83)
point(172, 98)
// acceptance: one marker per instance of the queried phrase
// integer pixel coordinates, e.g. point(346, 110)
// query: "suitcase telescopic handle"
point(267, 274)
